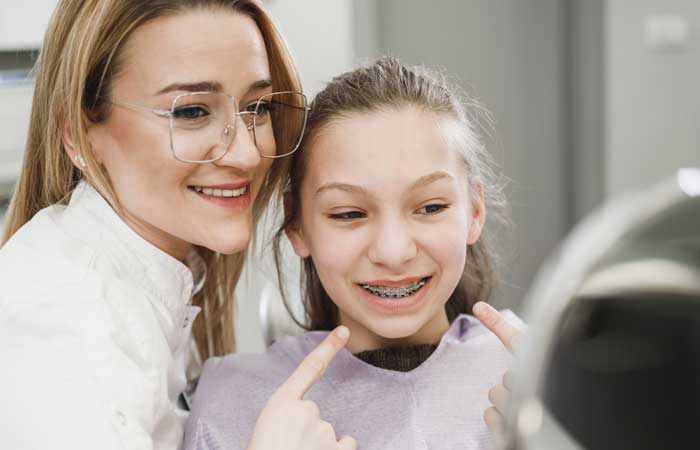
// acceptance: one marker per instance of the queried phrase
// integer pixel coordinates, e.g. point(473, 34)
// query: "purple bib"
point(438, 405)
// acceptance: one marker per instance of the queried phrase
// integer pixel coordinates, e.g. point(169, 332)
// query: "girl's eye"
point(347, 215)
point(433, 208)
point(190, 112)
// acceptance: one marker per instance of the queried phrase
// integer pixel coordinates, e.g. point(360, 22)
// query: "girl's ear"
point(478, 215)
point(294, 233)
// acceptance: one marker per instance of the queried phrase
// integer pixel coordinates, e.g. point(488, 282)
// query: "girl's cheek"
point(446, 243)
point(335, 246)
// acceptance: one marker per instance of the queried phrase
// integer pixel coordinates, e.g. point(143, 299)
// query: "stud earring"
point(81, 161)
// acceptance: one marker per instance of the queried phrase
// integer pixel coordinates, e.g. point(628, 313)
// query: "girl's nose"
point(393, 245)
point(242, 152)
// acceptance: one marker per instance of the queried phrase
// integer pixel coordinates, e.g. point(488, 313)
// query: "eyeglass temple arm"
point(156, 111)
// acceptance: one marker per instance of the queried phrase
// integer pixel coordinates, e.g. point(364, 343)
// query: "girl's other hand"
point(288, 422)
point(499, 395)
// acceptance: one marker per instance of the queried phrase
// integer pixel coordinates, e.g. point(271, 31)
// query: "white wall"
point(653, 95)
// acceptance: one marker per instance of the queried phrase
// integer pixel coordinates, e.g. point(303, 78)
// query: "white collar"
point(162, 275)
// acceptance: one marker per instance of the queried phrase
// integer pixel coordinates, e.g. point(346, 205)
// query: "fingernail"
point(343, 332)
point(480, 308)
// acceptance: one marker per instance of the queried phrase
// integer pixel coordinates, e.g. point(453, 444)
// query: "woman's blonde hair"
point(80, 57)
point(385, 85)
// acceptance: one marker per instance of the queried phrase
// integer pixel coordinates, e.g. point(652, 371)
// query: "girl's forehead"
point(399, 145)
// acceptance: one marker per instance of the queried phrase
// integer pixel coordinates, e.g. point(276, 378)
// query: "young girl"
point(386, 206)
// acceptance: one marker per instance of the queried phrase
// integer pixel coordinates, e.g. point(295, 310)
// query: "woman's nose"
point(393, 245)
point(242, 152)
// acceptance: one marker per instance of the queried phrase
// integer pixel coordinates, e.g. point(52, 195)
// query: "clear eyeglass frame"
point(170, 114)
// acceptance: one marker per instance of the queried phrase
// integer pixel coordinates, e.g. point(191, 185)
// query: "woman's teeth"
point(399, 292)
point(221, 192)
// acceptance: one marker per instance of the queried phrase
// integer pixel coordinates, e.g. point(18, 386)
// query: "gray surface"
point(587, 97)
point(653, 100)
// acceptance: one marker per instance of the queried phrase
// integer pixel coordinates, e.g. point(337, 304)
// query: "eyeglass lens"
point(204, 125)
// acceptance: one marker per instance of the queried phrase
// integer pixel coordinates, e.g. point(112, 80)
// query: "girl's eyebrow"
point(345, 187)
point(430, 178)
point(355, 189)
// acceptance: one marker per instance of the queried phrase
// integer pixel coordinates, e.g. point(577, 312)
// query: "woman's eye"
point(433, 208)
point(190, 113)
point(265, 108)
point(347, 215)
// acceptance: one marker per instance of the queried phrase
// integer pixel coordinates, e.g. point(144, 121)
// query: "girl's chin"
point(399, 329)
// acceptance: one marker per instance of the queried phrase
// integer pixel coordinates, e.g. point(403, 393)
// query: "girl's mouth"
point(395, 292)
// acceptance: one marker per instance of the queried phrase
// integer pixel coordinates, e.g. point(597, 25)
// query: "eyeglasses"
point(204, 124)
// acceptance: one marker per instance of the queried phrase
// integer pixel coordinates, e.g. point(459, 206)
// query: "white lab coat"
point(95, 333)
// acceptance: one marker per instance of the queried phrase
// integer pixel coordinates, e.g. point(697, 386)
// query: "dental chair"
point(612, 359)
point(275, 320)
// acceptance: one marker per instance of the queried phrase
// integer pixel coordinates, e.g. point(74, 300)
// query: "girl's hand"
point(288, 422)
point(499, 395)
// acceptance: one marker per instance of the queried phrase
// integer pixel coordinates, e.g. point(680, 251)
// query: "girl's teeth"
point(404, 291)
point(222, 192)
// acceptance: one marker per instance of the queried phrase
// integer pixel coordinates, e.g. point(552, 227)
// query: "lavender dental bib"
point(438, 405)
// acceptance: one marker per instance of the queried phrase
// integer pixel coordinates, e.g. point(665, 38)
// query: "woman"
point(155, 137)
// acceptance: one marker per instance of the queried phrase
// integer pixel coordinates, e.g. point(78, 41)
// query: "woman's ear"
point(70, 148)
point(478, 214)
point(293, 231)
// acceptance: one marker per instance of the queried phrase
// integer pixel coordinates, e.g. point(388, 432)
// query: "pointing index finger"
point(315, 364)
point(494, 321)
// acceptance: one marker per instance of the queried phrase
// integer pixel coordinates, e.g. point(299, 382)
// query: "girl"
point(153, 148)
point(386, 206)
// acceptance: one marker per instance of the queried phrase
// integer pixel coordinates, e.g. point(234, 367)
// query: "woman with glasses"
point(157, 136)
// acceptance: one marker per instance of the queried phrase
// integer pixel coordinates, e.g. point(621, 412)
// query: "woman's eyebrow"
point(210, 86)
point(260, 84)
point(199, 86)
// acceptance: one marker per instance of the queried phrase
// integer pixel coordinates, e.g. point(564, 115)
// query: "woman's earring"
point(81, 161)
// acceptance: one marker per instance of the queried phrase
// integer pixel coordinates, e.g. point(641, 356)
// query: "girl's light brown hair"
point(388, 85)
point(80, 56)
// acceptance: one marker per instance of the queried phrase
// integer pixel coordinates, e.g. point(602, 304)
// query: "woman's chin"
point(229, 243)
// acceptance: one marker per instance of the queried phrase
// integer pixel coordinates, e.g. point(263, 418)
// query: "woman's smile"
point(233, 196)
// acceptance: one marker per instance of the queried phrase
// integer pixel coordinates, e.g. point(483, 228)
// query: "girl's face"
point(386, 217)
point(190, 52)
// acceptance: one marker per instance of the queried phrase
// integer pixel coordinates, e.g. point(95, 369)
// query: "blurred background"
point(591, 98)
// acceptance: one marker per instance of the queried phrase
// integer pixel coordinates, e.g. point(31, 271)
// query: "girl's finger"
point(347, 443)
point(494, 321)
point(494, 420)
point(499, 396)
point(314, 365)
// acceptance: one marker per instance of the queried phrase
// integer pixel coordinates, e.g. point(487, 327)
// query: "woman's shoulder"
point(43, 251)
